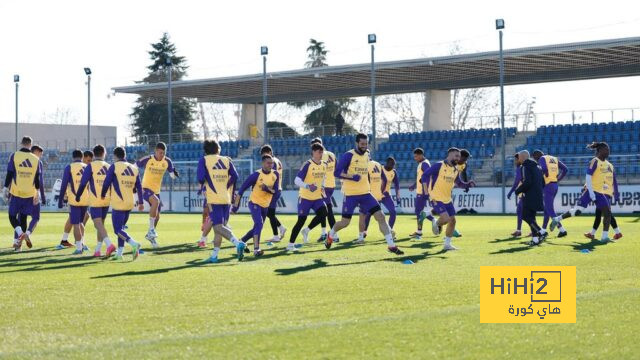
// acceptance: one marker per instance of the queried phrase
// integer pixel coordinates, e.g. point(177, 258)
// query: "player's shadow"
point(319, 263)
point(188, 265)
point(17, 255)
point(591, 245)
point(423, 245)
point(52, 263)
point(174, 249)
point(510, 238)
point(511, 250)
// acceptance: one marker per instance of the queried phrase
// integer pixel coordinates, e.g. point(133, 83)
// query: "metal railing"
point(62, 145)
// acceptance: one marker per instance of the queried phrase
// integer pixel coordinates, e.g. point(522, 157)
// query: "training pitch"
point(348, 302)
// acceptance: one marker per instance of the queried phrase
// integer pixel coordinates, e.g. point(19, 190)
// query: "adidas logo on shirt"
point(25, 163)
point(219, 165)
point(127, 172)
point(80, 172)
point(103, 171)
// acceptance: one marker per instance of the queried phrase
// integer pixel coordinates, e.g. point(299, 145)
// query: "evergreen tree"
point(150, 113)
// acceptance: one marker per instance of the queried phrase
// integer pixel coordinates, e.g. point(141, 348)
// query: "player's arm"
point(43, 198)
point(11, 172)
point(463, 175)
point(432, 172)
point(383, 181)
point(233, 175)
point(84, 180)
point(142, 163)
point(396, 184)
point(616, 194)
point(527, 179)
point(516, 181)
point(139, 192)
point(66, 176)
point(543, 165)
point(588, 182)
point(563, 170)
point(302, 173)
point(250, 181)
point(201, 172)
point(173, 172)
point(342, 166)
point(108, 180)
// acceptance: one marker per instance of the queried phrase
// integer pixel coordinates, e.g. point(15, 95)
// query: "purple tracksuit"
point(550, 190)
point(516, 181)
point(258, 213)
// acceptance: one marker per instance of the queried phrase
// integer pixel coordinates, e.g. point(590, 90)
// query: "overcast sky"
point(49, 42)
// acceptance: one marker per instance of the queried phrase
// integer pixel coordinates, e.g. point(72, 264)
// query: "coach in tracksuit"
point(531, 188)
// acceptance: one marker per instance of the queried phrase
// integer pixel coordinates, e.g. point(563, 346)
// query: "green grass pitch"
point(348, 302)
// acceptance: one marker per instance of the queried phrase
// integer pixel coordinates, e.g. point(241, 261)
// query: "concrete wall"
point(61, 137)
point(251, 114)
point(437, 110)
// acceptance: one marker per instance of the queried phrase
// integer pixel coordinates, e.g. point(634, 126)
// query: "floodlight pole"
point(16, 80)
point(264, 51)
point(170, 123)
point(499, 27)
point(88, 111)
point(372, 40)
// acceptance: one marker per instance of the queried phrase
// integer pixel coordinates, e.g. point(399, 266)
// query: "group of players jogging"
point(91, 186)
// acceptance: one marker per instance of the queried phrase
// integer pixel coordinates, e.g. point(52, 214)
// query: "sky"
point(50, 42)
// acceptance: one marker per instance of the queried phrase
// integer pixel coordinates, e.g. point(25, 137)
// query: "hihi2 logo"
point(527, 294)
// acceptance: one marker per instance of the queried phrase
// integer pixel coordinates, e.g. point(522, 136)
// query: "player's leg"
point(15, 223)
point(371, 206)
point(583, 202)
point(123, 236)
point(420, 203)
point(362, 226)
point(35, 218)
point(218, 215)
point(99, 214)
point(529, 216)
point(295, 231)
point(388, 203)
point(349, 204)
point(154, 209)
point(76, 216)
point(518, 231)
point(616, 230)
point(330, 216)
point(64, 242)
point(604, 203)
point(259, 218)
point(277, 228)
point(596, 224)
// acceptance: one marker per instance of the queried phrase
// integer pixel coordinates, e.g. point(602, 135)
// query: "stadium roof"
point(561, 62)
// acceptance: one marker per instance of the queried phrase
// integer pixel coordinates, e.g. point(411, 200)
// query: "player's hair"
point(316, 141)
point(316, 147)
point(465, 153)
point(266, 156)
point(452, 149)
point(536, 152)
point(516, 155)
point(120, 152)
point(35, 148)
point(76, 154)
point(211, 147)
point(361, 136)
point(26, 141)
point(88, 153)
point(418, 151)
point(597, 145)
point(391, 158)
point(98, 150)
point(162, 146)
point(265, 149)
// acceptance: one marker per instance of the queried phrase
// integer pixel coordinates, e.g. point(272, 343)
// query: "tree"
point(150, 113)
point(326, 117)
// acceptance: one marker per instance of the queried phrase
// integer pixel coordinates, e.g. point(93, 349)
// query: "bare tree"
point(62, 116)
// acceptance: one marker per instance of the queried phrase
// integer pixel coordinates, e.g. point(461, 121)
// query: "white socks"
point(361, 236)
point(107, 241)
point(79, 245)
point(215, 252)
point(152, 223)
point(120, 250)
point(561, 228)
point(593, 231)
point(605, 234)
point(99, 246)
point(132, 242)
point(65, 236)
point(535, 240)
point(18, 230)
point(389, 239)
point(323, 231)
point(203, 239)
point(447, 240)
point(235, 240)
point(616, 230)
point(543, 231)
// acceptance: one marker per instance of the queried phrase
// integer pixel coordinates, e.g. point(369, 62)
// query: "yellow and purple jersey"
point(24, 174)
point(553, 170)
point(389, 177)
point(154, 170)
point(441, 178)
point(277, 167)
point(312, 173)
point(94, 175)
point(354, 163)
point(71, 179)
point(423, 166)
point(602, 176)
point(219, 176)
point(123, 180)
point(330, 159)
point(375, 179)
point(258, 195)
